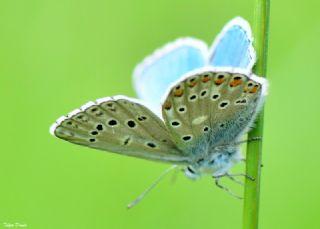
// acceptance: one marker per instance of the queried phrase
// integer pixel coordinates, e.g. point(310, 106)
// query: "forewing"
point(120, 125)
point(233, 46)
point(213, 103)
point(155, 74)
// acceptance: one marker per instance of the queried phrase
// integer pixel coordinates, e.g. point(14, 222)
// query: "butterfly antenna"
point(175, 176)
point(154, 184)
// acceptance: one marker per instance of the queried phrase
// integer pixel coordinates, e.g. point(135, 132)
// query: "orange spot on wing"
point(218, 81)
point(192, 83)
point(254, 89)
point(205, 78)
point(178, 92)
point(235, 82)
point(167, 105)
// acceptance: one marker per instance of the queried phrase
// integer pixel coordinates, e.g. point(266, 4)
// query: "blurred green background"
point(57, 55)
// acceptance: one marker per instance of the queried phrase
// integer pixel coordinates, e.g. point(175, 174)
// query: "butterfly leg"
point(217, 178)
point(254, 139)
point(234, 179)
point(240, 175)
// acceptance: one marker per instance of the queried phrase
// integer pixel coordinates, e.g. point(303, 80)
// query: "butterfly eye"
point(190, 170)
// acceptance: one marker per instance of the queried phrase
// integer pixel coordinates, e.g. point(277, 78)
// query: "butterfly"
point(195, 105)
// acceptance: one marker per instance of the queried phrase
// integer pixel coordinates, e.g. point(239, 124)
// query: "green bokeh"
point(56, 55)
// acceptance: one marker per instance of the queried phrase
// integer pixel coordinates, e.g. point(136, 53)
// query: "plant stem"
point(254, 148)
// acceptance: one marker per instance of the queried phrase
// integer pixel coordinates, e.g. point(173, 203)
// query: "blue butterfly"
point(208, 99)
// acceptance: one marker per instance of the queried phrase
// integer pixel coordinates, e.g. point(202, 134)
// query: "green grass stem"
point(254, 148)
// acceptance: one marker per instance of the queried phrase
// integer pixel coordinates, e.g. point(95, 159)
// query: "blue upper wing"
point(155, 74)
point(233, 47)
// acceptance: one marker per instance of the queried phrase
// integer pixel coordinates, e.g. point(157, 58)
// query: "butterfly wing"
point(155, 74)
point(217, 103)
point(121, 125)
point(233, 46)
